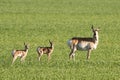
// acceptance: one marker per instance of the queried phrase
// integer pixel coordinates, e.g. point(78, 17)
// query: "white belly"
point(20, 54)
point(86, 46)
point(83, 46)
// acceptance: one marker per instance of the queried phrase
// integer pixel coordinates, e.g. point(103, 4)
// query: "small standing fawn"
point(20, 53)
point(45, 50)
point(83, 43)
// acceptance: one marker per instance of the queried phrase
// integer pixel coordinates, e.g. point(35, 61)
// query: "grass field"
point(37, 21)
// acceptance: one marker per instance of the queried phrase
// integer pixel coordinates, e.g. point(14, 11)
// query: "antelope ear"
point(98, 29)
point(24, 43)
point(28, 45)
point(92, 28)
point(51, 42)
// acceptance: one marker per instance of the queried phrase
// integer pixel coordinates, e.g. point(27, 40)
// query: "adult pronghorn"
point(45, 50)
point(20, 53)
point(84, 43)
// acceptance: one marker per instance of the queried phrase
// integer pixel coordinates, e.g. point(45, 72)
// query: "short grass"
point(37, 21)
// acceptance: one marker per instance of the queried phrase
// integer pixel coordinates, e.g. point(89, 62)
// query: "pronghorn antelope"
point(85, 44)
point(45, 50)
point(20, 53)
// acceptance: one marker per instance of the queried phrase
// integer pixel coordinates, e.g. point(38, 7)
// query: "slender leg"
point(88, 54)
point(48, 56)
point(73, 56)
point(14, 58)
point(72, 53)
point(23, 58)
point(39, 55)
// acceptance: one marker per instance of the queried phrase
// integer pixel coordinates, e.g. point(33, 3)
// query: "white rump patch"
point(69, 42)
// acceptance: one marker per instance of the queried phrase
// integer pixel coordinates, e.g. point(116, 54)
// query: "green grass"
point(37, 21)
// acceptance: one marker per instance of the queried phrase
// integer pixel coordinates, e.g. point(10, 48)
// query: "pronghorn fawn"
point(45, 50)
point(20, 53)
point(83, 43)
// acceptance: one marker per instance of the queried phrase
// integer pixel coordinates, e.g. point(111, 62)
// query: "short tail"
point(13, 52)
